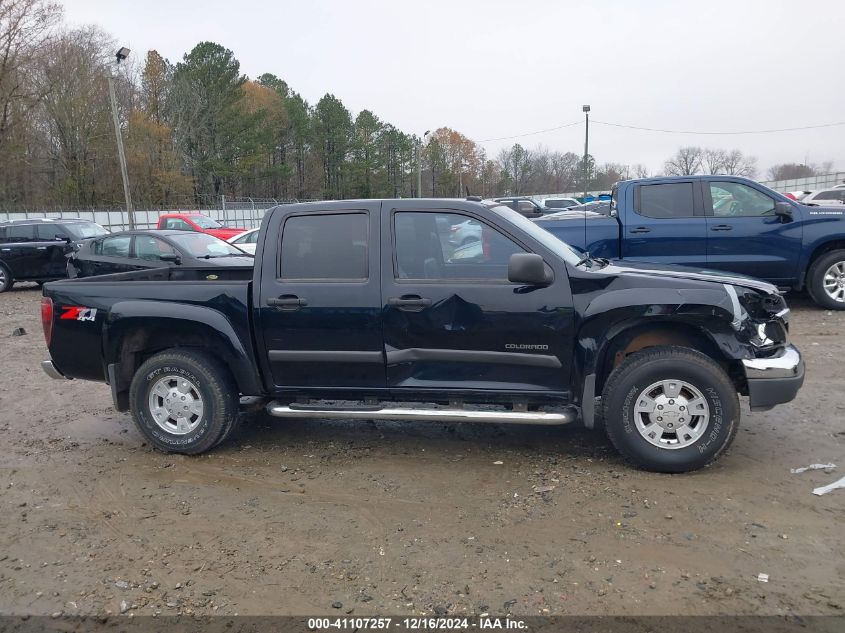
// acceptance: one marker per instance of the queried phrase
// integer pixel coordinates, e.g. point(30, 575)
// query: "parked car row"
point(678, 221)
point(45, 249)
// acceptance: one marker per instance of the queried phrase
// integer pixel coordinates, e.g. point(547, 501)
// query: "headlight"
point(761, 306)
point(764, 318)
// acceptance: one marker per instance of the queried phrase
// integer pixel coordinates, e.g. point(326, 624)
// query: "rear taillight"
point(47, 318)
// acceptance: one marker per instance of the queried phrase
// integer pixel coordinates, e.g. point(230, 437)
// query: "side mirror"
point(527, 268)
point(62, 238)
point(170, 257)
point(784, 211)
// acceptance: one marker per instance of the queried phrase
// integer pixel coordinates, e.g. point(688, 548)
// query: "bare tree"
point(728, 162)
point(685, 162)
point(24, 27)
point(713, 161)
point(75, 116)
point(516, 168)
point(735, 163)
point(790, 171)
point(639, 171)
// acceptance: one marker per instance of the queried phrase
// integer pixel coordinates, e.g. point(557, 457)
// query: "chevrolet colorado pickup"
point(719, 222)
point(365, 310)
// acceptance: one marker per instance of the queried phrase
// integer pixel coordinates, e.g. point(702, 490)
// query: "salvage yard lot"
point(297, 517)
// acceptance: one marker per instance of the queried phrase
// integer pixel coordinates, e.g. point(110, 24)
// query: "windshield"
point(84, 230)
point(205, 222)
point(202, 245)
point(562, 249)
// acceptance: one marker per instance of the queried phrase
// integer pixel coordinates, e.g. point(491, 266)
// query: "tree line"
point(198, 129)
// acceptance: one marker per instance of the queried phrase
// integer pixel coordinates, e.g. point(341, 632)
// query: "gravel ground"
point(309, 517)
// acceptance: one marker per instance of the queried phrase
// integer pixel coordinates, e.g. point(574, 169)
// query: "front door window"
point(733, 199)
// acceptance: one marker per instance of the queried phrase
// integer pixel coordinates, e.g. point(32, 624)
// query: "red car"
point(196, 222)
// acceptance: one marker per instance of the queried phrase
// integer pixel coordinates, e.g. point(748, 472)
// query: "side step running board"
point(566, 416)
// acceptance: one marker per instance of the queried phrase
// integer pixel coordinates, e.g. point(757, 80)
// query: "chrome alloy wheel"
point(2, 277)
point(671, 414)
point(834, 282)
point(176, 405)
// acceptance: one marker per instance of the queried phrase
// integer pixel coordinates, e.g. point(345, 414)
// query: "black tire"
point(6, 279)
point(815, 279)
point(214, 386)
point(641, 370)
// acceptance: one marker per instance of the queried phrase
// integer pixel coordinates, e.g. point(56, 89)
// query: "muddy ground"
point(309, 517)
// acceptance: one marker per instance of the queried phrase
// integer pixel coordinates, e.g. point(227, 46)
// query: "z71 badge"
point(78, 313)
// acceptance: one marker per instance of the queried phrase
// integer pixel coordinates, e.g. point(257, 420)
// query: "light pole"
point(419, 164)
point(586, 110)
point(121, 54)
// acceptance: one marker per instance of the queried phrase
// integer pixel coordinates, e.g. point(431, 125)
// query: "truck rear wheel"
point(183, 401)
point(670, 409)
point(826, 280)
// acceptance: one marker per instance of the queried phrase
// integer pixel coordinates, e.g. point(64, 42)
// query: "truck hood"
point(684, 272)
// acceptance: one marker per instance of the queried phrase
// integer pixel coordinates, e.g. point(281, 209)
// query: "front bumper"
point(774, 380)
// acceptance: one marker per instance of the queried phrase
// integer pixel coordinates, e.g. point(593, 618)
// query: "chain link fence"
point(813, 183)
point(240, 212)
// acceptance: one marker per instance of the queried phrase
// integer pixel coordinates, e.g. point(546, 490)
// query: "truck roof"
point(677, 178)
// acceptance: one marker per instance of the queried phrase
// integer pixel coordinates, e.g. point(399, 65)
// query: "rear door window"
point(117, 246)
point(49, 232)
point(20, 233)
point(331, 246)
point(667, 200)
point(151, 248)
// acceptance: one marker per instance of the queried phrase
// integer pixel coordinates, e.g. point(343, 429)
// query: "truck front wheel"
point(670, 409)
point(826, 280)
point(183, 401)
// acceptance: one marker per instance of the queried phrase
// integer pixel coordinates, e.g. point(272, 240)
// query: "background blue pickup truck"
point(717, 222)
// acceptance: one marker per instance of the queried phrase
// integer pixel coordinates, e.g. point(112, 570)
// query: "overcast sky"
point(494, 68)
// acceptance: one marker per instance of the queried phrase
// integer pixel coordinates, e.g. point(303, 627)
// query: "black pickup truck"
point(366, 310)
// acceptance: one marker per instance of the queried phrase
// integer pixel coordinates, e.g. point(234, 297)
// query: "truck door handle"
point(287, 302)
point(41, 248)
point(641, 229)
point(412, 303)
point(721, 227)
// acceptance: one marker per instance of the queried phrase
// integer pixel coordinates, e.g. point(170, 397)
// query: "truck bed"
point(96, 313)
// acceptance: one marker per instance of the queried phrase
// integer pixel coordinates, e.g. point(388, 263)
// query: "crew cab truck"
point(718, 222)
point(365, 310)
